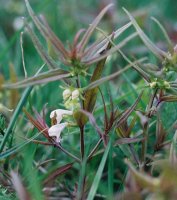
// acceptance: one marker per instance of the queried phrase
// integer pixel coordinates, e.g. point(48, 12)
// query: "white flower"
point(75, 94)
point(55, 131)
point(59, 113)
point(66, 94)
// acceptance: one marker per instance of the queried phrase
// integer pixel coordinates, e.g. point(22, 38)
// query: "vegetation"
point(88, 100)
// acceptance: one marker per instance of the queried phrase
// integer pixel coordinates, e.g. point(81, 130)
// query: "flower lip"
point(59, 113)
point(55, 131)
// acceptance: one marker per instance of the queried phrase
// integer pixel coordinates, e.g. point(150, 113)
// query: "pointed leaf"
point(158, 52)
point(100, 45)
point(40, 49)
point(44, 77)
point(109, 52)
point(164, 33)
point(91, 95)
point(92, 28)
point(46, 32)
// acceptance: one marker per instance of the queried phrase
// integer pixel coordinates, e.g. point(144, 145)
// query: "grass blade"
point(15, 116)
point(98, 175)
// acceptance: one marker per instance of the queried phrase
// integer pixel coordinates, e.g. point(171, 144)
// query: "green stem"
point(68, 153)
point(82, 142)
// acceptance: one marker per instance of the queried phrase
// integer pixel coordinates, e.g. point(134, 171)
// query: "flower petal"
point(55, 131)
point(59, 114)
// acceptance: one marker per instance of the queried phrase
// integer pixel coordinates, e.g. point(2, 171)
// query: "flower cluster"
point(71, 99)
point(57, 127)
point(71, 102)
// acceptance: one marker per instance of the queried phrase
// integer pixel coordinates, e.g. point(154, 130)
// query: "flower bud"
point(75, 94)
point(66, 94)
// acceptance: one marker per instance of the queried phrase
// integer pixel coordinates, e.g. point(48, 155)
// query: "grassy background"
point(66, 18)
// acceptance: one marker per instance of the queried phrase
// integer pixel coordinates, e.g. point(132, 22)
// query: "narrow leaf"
point(164, 32)
point(15, 116)
point(40, 49)
point(92, 28)
point(46, 32)
point(44, 77)
point(109, 52)
point(91, 95)
point(169, 98)
point(100, 45)
point(157, 52)
point(17, 112)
